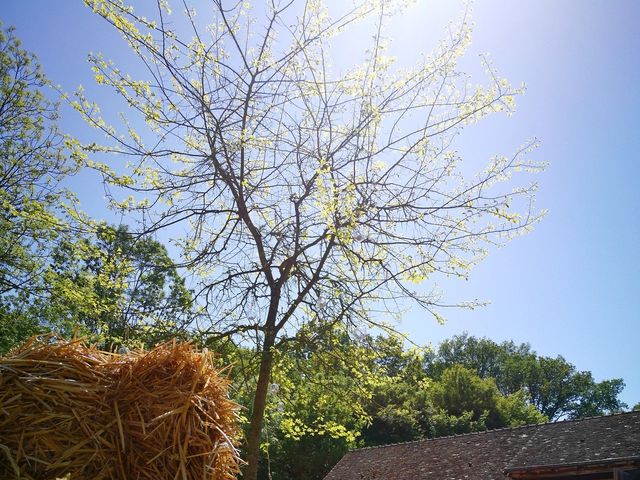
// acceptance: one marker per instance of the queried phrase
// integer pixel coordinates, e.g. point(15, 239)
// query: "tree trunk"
point(257, 414)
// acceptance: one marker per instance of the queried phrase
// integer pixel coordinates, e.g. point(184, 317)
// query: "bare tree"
point(309, 193)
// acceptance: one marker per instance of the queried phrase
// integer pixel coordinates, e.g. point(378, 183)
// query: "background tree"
point(600, 398)
point(400, 407)
point(310, 194)
point(553, 385)
point(120, 289)
point(330, 393)
point(33, 216)
point(469, 403)
point(484, 356)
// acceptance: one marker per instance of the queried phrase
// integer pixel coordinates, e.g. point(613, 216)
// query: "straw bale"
point(66, 408)
point(173, 416)
point(51, 403)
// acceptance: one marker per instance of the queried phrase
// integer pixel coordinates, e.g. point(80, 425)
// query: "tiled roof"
point(486, 455)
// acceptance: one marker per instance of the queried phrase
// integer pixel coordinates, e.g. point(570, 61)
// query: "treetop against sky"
point(569, 287)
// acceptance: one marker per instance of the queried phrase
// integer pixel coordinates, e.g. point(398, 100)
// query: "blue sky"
point(571, 286)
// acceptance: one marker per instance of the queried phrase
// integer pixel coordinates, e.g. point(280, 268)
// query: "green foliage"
point(483, 356)
point(31, 166)
point(118, 288)
point(58, 269)
point(334, 393)
point(467, 402)
point(554, 386)
point(516, 409)
point(460, 390)
point(315, 406)
point(400, 408)
point(33, 214)
point(309, 457)
point(321, 389)
point(600, 398)
point(408, 394)
point(400, 411)
point(16, 325)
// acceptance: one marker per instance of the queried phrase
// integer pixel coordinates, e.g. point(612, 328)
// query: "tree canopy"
point(60, 269)
point(120, 289)
point(555, 387)
point(310, 192)
point(32, 201)
point(57, 272)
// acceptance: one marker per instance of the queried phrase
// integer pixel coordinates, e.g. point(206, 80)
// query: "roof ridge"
point(497, 430)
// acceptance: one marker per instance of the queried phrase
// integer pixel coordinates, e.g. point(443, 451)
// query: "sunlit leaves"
point(32, 164)
point(305, 190)
point(117, 288)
